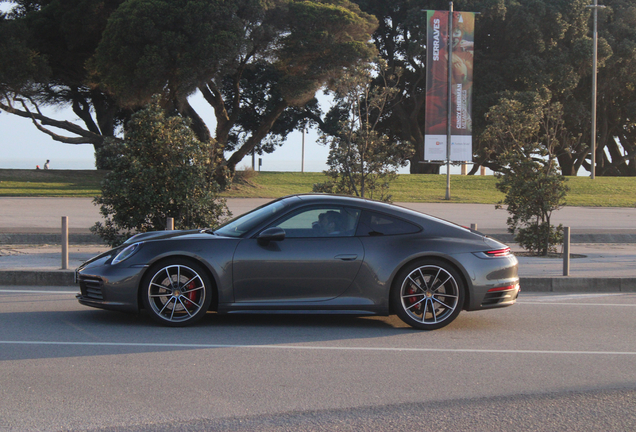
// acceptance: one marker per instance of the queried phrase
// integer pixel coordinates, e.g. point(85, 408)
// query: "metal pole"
point(449, 105)
point(170, 224)
point(566, 251)
point(595, 6)
point(594, 70)
point(302, 159)
point(64, 242)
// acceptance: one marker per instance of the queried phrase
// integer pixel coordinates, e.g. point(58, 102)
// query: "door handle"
point(346, 257)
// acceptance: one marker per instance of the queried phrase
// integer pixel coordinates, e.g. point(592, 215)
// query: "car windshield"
point(240, 225)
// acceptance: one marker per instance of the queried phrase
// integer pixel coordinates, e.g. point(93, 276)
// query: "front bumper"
point(109, 288)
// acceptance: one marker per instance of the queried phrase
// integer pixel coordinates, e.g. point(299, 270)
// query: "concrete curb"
point(528, 284)
point(578, 284)
point(37, 278)
point(48, 238)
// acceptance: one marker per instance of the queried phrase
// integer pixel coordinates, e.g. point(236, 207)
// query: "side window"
point(328, 221)
point(375, 224)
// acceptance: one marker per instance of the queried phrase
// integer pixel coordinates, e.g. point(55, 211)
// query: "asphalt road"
point(551, 362)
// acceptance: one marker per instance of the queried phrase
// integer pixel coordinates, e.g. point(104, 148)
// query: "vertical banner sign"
point(461, 86)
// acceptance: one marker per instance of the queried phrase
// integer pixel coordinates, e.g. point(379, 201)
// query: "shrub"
point(159, 170)
point(533, 191)
point(524, 132)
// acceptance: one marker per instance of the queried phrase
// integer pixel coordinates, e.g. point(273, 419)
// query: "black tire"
point(177, 292)
point(428, 294)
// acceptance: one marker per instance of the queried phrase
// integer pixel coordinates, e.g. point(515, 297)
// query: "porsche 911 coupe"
point(307, 254)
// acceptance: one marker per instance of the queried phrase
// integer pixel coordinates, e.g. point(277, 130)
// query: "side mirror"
point(270, 235)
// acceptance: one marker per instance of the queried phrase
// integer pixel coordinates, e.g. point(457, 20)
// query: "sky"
point(23, 146)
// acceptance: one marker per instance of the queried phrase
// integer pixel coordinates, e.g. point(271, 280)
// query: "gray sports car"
point(311, 253)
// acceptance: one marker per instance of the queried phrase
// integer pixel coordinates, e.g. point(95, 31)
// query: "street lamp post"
point(302, 157)
point(595, 7)
point(449, 50)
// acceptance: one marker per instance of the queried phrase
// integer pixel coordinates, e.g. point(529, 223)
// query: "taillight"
point(498, 253)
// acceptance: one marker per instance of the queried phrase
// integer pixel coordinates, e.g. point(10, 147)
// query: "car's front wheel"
point(428, 294)
point(177, 292)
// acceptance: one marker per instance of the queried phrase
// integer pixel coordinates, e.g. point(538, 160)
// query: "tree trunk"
point(198, 126)
point(566, 163)
point(226, 169)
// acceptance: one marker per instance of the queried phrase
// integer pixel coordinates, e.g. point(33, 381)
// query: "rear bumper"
point(499, 297)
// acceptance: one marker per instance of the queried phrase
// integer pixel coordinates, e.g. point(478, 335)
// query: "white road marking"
point(575, 304)
point(317, 348)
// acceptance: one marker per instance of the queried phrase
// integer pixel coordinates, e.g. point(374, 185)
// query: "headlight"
point(126, 253)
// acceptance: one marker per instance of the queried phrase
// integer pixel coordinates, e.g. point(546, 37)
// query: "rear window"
point(377, 224)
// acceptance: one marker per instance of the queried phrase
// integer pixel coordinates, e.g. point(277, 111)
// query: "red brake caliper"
point(411, 291)
point(191, 294)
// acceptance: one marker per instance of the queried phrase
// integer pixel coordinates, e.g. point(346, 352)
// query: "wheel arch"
point(443, 258)
point(166, 258)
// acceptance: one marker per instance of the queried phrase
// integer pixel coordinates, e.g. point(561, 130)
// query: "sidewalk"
point(605, 237)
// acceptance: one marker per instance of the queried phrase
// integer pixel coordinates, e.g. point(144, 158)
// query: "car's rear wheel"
point(428, 294)
point(177, 292)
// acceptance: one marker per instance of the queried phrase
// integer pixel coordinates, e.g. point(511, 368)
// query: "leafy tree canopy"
point(251, 59)
point(58, 37)
point(106, 58)
point(25, 65)
point(540, 46)
point(258, 63)
point(155, 46)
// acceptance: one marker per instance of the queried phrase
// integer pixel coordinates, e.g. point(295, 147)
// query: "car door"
point(310, 264)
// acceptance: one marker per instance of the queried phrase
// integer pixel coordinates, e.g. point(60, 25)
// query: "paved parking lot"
point(550, 362)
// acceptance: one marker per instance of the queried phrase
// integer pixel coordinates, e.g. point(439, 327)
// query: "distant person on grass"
point(46, 165)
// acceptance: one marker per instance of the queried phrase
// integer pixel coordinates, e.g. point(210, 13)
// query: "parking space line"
point(316, 348)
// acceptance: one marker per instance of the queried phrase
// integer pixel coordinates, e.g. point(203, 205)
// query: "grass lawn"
point(600, 192)
point(50, 183)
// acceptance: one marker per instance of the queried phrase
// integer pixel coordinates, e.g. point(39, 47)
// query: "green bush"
point(533, 189)
point(159, 170)
point(540, 237)
point(524, 131)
